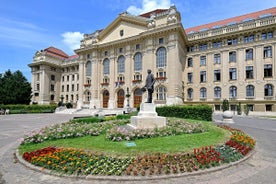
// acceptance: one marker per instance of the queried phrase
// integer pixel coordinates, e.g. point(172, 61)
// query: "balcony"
point(105, 83)
point(136, 81)
point(161, 78)
point(87, 85)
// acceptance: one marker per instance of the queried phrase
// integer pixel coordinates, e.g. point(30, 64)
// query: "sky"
point(32, 25)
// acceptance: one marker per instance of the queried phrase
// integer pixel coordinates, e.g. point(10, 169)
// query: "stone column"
point(81, 79)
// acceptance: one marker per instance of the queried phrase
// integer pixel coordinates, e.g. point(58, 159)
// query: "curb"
point(130, 178)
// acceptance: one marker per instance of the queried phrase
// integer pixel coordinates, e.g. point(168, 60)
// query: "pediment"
point(124, 26)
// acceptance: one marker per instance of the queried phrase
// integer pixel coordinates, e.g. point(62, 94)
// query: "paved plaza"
point(260, 168)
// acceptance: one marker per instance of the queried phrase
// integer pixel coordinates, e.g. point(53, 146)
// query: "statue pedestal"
point(147, 118)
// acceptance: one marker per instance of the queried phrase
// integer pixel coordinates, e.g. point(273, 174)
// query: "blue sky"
point(31, 25)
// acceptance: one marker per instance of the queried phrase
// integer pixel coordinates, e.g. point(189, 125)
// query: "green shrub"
point(22, 109)
point(197, 112)
point(225, 105)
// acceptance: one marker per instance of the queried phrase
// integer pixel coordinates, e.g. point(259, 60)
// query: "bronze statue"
point(149, 86)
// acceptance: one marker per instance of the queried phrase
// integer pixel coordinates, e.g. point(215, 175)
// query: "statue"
point(149, 86)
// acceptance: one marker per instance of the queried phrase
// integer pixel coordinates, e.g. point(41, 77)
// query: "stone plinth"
point(147, 118)
point(227, 117)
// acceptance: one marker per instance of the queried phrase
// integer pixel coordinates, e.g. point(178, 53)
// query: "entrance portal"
point(120, 98)
point(105, 99)
point(137, 97)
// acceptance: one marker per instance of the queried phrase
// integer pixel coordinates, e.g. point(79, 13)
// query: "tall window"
point(268, 90)
point(233, 41)
point(250, 91)
point(190, 77)
point(106, 64)
point(268, 70)
point(203, 92)
point(268, 35)
point(202, 60)
point(121, 64)
point(217, 75)
point(161, 57)
point(138, 62)
point(232, 56)
point(267, 52)
point(249, 54)
point(216, 58)
point(232, 73)
point(88, 68)
point(190, 93)
point(202, 76)
point(53, 77)
point(217, 44)
point(161, 93)
point(190, 62)
point(203, 47)
point(233, 92)
point(249, 72)
point(217, 92)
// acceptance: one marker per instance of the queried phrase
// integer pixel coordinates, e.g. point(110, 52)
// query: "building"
point(231, 59)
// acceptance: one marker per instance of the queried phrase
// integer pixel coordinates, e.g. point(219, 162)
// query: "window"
point(88, 68)
point(52, 97)
point(249, 54)
point(190, 93)
point(190, 62)
point(202, 60)
point(52, 87)
point(248, 39)
point(232, 73)
point(249, 72)
point(217, 92)
point(161, 74)
point(203, 47)
point(73, 87)
point(232, 56)
point(161, 40)
point(62, 78)
point(68, 77)
point(37, 87)
point(190, 77)
point(267, 35)
point(233, 41)
point(138, 62)
point(216, 75)
point(268, 70)
point(217, 107)
point(161, 57)
point(120, 50)
point(67, 89)
point(53, 78)
point(121, 64)
point(77, 87)
point(88, 56)
point(268, 90)
point(105, 53)
point(161, 93)
point(233, 92)
point(217, 58)
point(106, 66)
point(250, 91)
point(268, 107)
point(203, 92)
point(267, 52)
point(137, 77)
point(202, 76)
point(217, 44)
point(73, 77)
point(137, 46)
point(62, 88)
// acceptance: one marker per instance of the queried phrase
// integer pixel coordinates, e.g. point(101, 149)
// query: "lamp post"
point(128, 95)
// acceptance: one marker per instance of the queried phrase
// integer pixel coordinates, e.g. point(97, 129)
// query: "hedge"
point(197, 112)
point(22, 109)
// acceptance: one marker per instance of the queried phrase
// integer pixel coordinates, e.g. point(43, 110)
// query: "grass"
point(170, 144)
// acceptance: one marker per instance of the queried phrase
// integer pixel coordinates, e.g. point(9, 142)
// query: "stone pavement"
point(260, 168)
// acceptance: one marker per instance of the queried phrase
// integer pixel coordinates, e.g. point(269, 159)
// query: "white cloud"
point(72, 39)
point(149, 5)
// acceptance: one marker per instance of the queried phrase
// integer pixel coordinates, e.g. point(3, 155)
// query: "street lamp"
point(128, 95)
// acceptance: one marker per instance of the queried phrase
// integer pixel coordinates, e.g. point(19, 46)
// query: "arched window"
point(121, 64)
point(190, 93)
point(203, 92)
point(268, 90)
point(138, 62)
point(232, 92)
point(161, 57)
point(217, 92)
point(161, 93)
point(250, 91)
point(106, 64)
point(88, 68)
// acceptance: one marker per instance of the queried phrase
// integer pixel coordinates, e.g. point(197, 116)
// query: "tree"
point(15, 89)
point(239, 109)
point(225, 105)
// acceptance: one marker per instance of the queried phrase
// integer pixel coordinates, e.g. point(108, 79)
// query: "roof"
point(147, 15)
point(56, 52)
point(234, 20)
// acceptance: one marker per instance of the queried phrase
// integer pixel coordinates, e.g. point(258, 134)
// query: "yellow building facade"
point(232, 59)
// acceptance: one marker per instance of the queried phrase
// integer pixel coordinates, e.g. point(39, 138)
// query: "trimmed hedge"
point(22, 109)
point(197, 112)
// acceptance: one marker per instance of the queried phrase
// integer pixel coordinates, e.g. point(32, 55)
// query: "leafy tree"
point(15, 89)
point(239, 109)
point(225, 105)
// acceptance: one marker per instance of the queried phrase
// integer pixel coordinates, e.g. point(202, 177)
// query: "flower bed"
point(78, 162)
